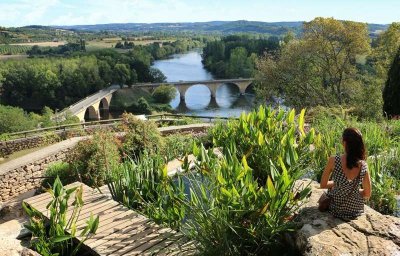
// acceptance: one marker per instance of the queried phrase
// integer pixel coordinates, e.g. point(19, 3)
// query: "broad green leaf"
point(226, 192)
point(290, 119)
point(271, 188)
point(261, 140)
point(285, 176)
point(61, 238)
point(165, 172)
point(301, 121)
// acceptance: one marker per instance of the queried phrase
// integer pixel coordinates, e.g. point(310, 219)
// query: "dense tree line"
point(162, 50)
point(59, 82)
point(234, 56)
point(14, 119)
point(65, 49)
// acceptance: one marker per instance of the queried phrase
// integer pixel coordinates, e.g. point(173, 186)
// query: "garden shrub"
point(140, 136)
point(141, 107)
point(92, 158)
point(178, 146)
point(61, 170)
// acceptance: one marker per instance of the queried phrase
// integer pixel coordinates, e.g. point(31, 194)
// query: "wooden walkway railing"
point(121, 231)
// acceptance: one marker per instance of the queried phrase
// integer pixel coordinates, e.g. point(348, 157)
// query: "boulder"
point(9, 244)
point(322, 234)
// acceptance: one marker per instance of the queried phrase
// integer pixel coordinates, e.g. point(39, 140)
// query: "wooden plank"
point(138, 240)
point(106, 248)
point(121, 231)
point(127, 243)
point(168, 235)
point(154, 250)
point(180, 247)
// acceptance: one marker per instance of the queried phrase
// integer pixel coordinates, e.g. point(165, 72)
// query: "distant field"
point(6, 49)
point(111, 42)
point(43, 44)
point(16, 57)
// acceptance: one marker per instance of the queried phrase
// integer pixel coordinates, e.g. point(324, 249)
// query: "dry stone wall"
point(22, 178)
point(27, 176)
point(9, 147)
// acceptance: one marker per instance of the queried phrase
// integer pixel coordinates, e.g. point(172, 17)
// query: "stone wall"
point(11, 146)
point(26, 177)
point(16, 179)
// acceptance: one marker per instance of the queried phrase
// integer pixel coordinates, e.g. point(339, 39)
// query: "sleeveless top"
point(347, 202)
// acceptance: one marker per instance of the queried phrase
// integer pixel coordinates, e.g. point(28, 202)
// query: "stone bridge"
point(212, 85)
point(93, 106)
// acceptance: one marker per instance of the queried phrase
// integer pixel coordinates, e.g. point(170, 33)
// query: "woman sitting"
point(348, 172)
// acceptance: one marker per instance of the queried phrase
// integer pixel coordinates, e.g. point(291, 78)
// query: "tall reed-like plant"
point(230, 213)
point(144, 185)
point(244, 201)
point(57, 237)
point(384, 185)
point(267, 137)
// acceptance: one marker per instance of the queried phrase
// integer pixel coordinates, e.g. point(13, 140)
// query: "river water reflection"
point(198, 100)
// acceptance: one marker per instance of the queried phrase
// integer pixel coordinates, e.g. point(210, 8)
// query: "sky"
point(15, 13)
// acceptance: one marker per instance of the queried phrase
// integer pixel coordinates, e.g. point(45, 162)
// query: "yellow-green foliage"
point(242, 202)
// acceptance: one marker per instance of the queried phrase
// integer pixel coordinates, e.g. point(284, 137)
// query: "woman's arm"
point(325, 182)
point(366, 186)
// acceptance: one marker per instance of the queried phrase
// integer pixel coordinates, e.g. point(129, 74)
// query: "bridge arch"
point(199, 98)
point(104, 108)
point(91, 114)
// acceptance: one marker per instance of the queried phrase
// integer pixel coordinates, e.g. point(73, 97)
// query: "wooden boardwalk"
point(121, 231)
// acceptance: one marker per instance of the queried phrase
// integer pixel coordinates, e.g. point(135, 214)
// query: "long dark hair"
point(355, 148)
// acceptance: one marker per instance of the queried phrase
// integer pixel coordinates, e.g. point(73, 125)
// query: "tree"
point(14, 119)
point(388, 43)
point(391, 92)
point(239, 64)
point(318, 69)
point(164, 94)
point(121, 74)
point(157, 76)
point(143, 106)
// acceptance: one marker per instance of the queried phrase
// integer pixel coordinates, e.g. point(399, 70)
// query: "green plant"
point(164, 94)
point(92, 158)
point(144, 185)
point(230, 213)
point(57, 238)
point(61, 170)
point(140, 135)
point(384, 186)
point(266, 137)
point(177, 146)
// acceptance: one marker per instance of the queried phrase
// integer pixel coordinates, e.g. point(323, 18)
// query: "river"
point(198, 101)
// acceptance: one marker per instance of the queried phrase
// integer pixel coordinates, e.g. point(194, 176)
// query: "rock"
point(10, 247)
point(322, 234)
point(13, 229)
